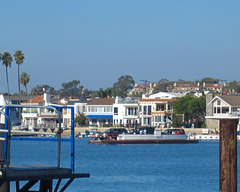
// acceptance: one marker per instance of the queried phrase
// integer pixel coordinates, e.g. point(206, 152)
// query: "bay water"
point(127, 168)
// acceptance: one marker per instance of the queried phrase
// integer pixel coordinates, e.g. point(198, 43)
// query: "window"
point(144, 110)
point(225, 110)
point(92, 109)
point(160, 107)
point(107, 109)
point(132, 111)
point(115, 111)
point(149, 110)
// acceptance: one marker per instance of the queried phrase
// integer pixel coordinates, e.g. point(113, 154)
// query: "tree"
point(192, 107)
point(80, 119)
point(71, 88)
point(103, 93)
point(25, 78)
point(19, 57)
point(232, 87)
point(124, 84)
point(180, 81)
point(162, 85)
point(7, 62)
point(39, 90)
point(210, 80)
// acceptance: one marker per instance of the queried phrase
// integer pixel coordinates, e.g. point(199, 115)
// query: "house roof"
point(38, 99)
point(209, 85)
point(187, 85)
point(231, 100)
point(101, 101)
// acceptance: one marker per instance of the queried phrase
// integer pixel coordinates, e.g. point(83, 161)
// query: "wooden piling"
point(228, 155)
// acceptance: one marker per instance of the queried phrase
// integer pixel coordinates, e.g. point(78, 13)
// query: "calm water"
point(142, 168)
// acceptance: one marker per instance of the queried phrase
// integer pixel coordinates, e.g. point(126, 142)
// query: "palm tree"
point(19, 57)
point(24, 79)
point(7, 62)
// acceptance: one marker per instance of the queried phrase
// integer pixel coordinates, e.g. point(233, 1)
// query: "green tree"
point(210, 80)
point(180, 81)
point(24, 79)
point(7, 62)
point(232, 87)
point(104, 93)
point(124, 84)
point(192, 107)
point(71, 88)
point(80, 119)
point(19, 57)
point(39, 90)
point(162, 85)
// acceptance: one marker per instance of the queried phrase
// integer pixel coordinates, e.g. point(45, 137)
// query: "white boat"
point(208, 137)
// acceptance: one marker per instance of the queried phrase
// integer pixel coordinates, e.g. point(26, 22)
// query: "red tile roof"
point(187, 85)
point(38, 99)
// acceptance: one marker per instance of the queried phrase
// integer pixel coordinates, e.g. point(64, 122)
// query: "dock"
point(39, 175)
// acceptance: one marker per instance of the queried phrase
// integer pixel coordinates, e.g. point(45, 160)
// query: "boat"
point(208, 137)
point(169, 136)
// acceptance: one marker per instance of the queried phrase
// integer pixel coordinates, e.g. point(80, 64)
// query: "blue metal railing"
point(7, 135)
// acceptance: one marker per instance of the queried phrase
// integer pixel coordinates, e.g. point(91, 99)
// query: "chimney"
point(46, 97)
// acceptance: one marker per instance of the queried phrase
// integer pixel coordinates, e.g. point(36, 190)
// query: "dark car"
point(144, 130)
point(113, 133)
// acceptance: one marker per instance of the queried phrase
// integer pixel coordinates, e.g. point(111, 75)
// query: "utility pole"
point(221, 80)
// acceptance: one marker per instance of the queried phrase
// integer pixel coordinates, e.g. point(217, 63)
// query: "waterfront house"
point(157, 109)
point(39, 117)
point(221, 106)
point(100, 112)
point(125, 110)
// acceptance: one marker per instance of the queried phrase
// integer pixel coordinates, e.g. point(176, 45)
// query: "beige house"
point(157, 110)
point(143, 89)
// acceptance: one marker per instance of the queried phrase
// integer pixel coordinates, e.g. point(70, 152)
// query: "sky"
point(97, 41)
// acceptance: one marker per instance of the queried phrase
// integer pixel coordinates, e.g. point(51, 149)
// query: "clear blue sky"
point(97, 41)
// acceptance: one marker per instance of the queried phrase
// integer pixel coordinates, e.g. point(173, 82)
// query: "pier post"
point(228, 155)
point(4, 187)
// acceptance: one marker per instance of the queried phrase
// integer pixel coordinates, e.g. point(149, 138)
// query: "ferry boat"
point(169, 136)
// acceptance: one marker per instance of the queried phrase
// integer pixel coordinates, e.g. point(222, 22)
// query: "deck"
point(42, 173)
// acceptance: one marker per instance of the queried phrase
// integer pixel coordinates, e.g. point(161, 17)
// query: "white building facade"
point(100, 112)
point(125, 110)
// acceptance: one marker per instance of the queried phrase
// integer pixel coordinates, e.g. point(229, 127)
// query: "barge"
point(169, 136)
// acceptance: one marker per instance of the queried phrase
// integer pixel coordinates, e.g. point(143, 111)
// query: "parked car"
point(113, 133)
point(144, 130)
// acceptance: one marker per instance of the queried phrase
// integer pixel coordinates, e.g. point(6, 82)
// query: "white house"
point(125, 111)
point(39, 117)
point(100, 112)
